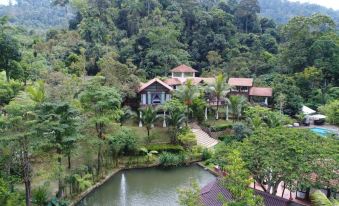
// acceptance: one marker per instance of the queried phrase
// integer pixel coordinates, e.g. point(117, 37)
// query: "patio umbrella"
point(307, 110)
point(318, 116)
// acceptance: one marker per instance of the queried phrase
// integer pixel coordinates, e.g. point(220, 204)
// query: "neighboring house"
point(244, 86)
point(260, 94)
point(210, 196)
point(240, 86)
point(154, 92)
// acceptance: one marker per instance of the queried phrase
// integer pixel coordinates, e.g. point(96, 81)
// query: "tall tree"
point(58, 123)
point(187, 93)
point(291, 156)
point(237, 105)
point(148, 118)
point(175, 117)
point(219, 90)
point(165, 51)
point(121, 76)
point(237, 181)
point(9, 51)
point(19, 127)
point(246, 13)
point(299, 35)
point(102, 105)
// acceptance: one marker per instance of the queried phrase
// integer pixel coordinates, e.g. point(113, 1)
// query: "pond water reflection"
point(146, 187)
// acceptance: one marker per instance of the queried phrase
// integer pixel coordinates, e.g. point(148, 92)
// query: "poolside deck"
point(332, 128)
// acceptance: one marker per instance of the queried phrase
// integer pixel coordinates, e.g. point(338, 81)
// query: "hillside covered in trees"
point(52, 107)
point(281, 11)
point(38, 15)
point(41, 15)
point(145, 39)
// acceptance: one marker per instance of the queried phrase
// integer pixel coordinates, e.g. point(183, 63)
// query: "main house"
point(157, 91)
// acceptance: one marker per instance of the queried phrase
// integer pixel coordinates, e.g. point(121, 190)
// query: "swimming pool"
point(322, 131)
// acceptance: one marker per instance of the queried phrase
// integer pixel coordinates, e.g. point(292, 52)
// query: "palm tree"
point(219, 90)
point(148, 117)
point(149, 154)
point(187, 94)
point(34, 93)
point(237, 103)
point(175, 119)
point(126, 114)
point(319, 199)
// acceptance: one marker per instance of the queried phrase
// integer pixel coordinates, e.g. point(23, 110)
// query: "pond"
point(146, 187)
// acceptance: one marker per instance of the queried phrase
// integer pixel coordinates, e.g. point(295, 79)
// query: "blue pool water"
point(321, 131)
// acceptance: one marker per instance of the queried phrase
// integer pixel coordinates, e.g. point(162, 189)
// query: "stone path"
point(203, 138)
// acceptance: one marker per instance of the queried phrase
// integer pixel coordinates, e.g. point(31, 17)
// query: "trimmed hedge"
point(222, 127)
point(165, 148)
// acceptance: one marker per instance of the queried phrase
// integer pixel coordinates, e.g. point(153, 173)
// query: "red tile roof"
point(149, 83)
point(198, 80)
point(195, 80)
point(245, 82)
point(261, 91)
point(184, 69)
point(209, 196)
point(173, 81)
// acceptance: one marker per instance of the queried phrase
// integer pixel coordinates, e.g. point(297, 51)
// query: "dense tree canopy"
point(285, 155)
point(90, 69)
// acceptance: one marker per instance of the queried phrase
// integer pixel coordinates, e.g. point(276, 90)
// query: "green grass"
point(213, 122)
point(161, 135)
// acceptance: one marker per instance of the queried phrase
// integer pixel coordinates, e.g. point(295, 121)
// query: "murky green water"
point(146, 187)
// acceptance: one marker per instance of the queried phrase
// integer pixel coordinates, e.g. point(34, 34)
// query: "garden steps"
point(203, 139)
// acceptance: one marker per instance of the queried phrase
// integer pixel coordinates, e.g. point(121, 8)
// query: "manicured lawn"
point(213, 122)
point(160, 134)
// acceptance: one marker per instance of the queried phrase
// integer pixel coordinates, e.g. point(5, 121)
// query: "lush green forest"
point(146, 39)
point(281, 11)
point(38, 15)
point(44, 14)
point(53, 109)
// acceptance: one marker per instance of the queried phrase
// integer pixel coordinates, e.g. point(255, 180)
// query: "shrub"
point(40, 195)
point(331, 110)
point(57, 202)
point(241, 131)
point(198, 109)
point(168, 159)
point(165, 148)
point(124, 141)
point(222, 127)
point(227, 139)
point(188, 140)
point(195, 152)
point(206, 154)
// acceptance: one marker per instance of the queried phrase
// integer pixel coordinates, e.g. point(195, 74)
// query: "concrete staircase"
point(203, 138)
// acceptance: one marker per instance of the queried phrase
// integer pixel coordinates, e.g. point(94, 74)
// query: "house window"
point(177, 74)
point(189, 74)
point(156, 99)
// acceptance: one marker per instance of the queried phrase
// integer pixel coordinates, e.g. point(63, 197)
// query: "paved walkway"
point(203, 138)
